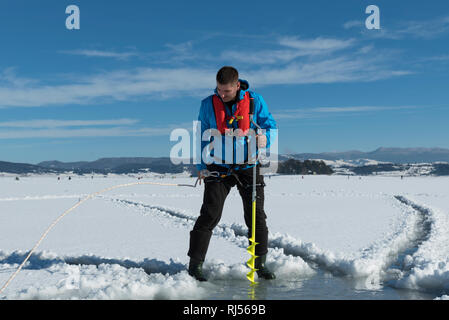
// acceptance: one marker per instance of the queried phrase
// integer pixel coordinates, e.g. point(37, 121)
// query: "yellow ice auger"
point(252, 248)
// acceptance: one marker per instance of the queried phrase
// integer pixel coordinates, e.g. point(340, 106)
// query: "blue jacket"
point(261, 116)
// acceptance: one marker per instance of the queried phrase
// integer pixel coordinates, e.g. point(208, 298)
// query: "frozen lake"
point(331, 237)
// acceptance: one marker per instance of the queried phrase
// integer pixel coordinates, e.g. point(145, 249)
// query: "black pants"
point(215, 192)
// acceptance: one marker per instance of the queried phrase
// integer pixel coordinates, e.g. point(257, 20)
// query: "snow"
point(351, 163)
point(132, 243)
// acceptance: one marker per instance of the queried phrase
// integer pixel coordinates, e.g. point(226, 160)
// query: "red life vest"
point(224, 122)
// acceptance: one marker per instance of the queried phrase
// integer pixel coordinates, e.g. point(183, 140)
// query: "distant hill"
point(21, 168)
point(103, 166)
point(119, 165)
point(62, 165)
point(394, 155)
point(379, 161)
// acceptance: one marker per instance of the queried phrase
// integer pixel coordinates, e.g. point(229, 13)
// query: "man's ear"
point(238, 85)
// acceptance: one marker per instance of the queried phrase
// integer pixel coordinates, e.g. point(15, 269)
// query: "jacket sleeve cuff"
point(201, 166)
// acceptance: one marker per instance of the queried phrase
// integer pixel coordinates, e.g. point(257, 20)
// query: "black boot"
point(196, 269)
point(262, 270)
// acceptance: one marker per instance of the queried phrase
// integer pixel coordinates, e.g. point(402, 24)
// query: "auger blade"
point(252, 249)
point(251, 262)
point(250, 275)
point(253, 241)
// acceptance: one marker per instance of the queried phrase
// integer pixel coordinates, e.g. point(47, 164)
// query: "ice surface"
point(131, 243)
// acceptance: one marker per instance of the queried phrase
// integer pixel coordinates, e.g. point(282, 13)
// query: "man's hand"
point(203, 174)
point(261, 140)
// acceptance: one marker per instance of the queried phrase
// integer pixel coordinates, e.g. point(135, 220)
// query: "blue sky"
point(136, 70)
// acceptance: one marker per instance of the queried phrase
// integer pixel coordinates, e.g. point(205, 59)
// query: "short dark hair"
point(227, 75)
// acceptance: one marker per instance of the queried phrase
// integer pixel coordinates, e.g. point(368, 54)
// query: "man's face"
point(228, 92)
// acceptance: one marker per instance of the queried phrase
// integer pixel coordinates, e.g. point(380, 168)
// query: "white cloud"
point(262, 57)
point(51, 123)
point(117, 85)
point(141, 83)
point(100, 53)
point(62, 129)
point(424, 29)
point(307, 113)
point(325, 61)
point(88, 132)
point(182, 47)
point(354, 24)
point(333, 70)
point(358, 109)
point(8, 76)
point(317, 45)
point(291, 48)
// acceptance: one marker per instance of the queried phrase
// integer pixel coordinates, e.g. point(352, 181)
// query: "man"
point(228, 109)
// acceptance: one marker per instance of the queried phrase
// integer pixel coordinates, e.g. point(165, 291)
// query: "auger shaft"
point(252, 248)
